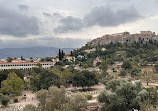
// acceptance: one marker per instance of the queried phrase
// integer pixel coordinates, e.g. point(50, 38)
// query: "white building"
point(23, 65)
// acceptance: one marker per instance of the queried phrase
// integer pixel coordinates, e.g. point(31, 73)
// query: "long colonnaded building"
point(24, 65)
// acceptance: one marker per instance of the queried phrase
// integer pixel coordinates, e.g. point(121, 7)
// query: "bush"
point(149, 89)
point(15, 100)
point(123, 72)
point(89, 96)
point(4, 100)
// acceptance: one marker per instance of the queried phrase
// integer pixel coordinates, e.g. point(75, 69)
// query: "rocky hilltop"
point(124, 37)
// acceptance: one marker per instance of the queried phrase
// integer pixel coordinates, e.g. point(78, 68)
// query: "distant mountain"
point(35, 52)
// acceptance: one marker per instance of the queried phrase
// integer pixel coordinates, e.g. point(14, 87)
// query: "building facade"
point(24, 65)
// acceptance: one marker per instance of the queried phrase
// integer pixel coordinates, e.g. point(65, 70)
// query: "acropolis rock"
point(124, 37)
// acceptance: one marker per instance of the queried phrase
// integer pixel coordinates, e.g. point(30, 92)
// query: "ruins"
point(124, 37)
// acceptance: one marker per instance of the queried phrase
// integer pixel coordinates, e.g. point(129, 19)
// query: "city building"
point(24, 65)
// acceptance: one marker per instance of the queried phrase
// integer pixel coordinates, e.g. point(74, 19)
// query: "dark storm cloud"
point(101, 16)
point(47, 42)
point(105, 16)
point(69, 24)
point(16, 24)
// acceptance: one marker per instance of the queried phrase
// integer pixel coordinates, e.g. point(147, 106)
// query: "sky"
point(71, 23)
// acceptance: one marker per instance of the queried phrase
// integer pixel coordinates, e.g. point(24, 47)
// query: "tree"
point(85, 66)
point(77, 101)
point(152, 96)
point(85, 79)
point(135, 71)
point(39, 65)
point(22, 58)
point(4, 74)
point(123, 72)
point(12, 85)
point(71, 54)
point(156, 68)
point(56, 99)
point(43, 78)
point(42, 95)
point(4, 99)
point(103, 66)
point(147, 76)
point(65, 75)
point(60, 56)
point(122, 95)
point(126, 65)
point(30, 107)
point(9, 59)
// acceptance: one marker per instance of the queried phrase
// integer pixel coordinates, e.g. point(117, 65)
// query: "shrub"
point(123, 72)
point(15, 100)
point(89, 96)
point(149, 89)
point(4, 100)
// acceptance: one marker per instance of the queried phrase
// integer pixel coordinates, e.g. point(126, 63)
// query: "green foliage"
point(15, 100)
point(42, 96)
point(106, 79)
point(114, 70)
point(85, 79)
point(137, 52)
point(12, 85)
point(85, 66)
point(61, 55)
point(43, 78)
point(4, 99)
point(152, 95)
point(89, 96)
point(135, 71)
point(30, 107)
point(62, 101)
point(98, 63)
point(156, 68)
point(103, 66)
point(123, 95)
point(127, 65)
point(4, 74)
point(123, 72)
point(39, 65)
point(9, 59)
point(65, 75)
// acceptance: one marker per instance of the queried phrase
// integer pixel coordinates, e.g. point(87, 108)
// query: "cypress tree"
point(62, 54)
point(59, 55)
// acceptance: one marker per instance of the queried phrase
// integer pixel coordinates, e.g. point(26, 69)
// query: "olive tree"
point(56, 99)
point(122, 95)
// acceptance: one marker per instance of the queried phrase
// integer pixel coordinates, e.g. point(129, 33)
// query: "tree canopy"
point(123, 95)
point(12, 85)
point(85, 79)
point(56, 99)
point(43, 78)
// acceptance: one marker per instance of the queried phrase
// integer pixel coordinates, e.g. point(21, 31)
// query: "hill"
point(124, 37)
point(35, 52)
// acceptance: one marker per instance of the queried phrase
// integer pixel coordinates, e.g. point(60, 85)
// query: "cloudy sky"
point(71, 23)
